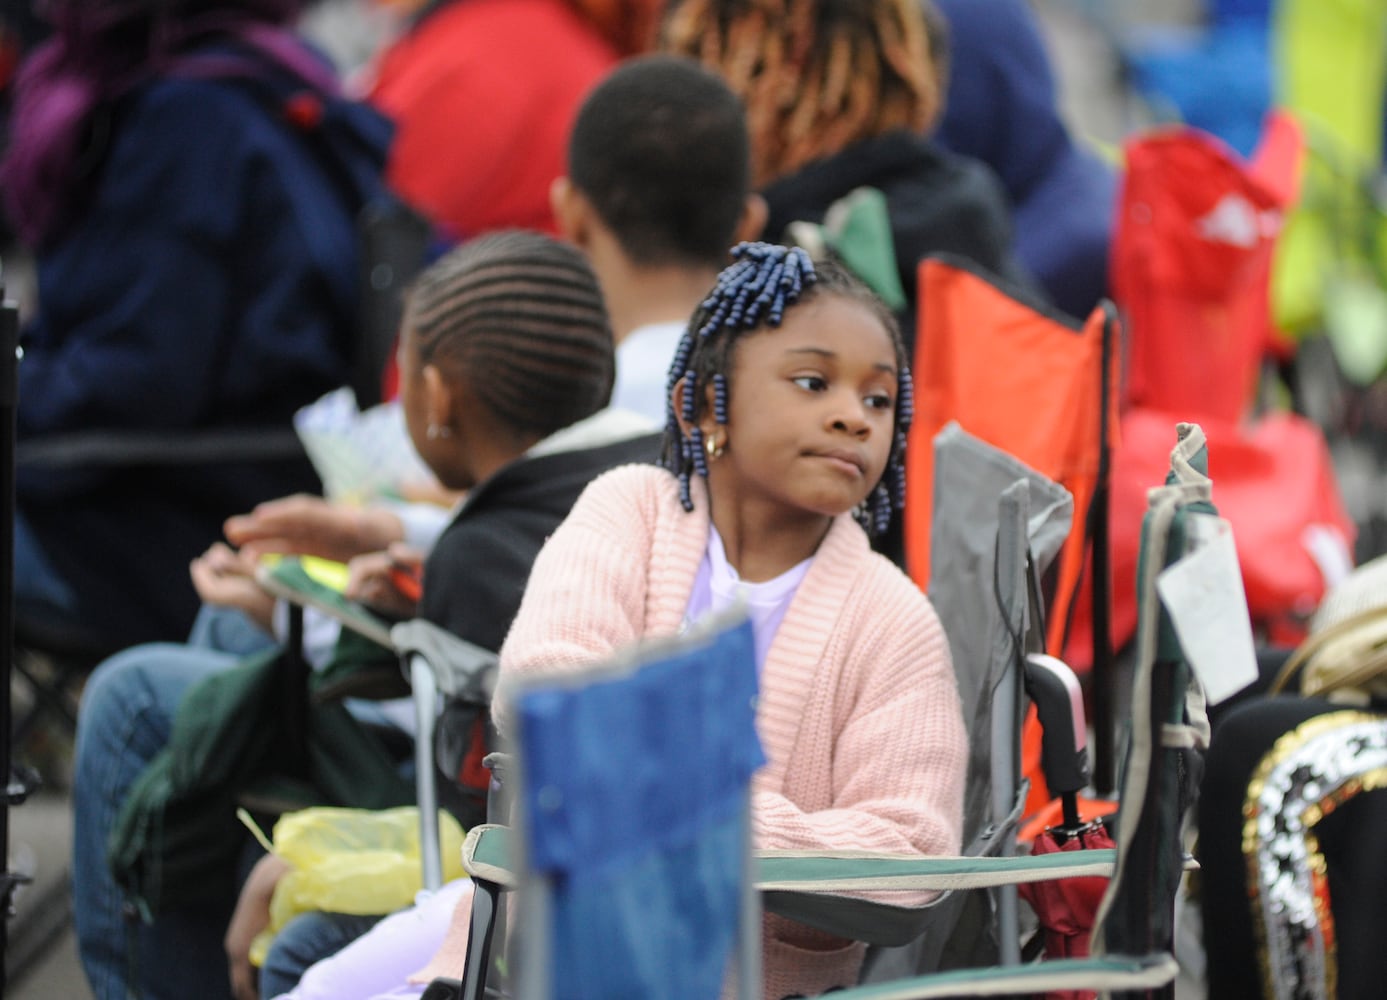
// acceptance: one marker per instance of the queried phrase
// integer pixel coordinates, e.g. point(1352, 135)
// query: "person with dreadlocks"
point(840, 95)
point(506, 365)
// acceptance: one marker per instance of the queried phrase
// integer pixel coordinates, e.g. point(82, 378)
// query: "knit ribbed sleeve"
point(618, 569)
point(895, 756)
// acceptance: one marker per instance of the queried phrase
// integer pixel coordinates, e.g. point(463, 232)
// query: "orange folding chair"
point(1041, 387)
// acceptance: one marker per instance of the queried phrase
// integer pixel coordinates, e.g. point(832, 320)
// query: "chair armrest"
point(461, 669)
point(803, 871)
point(1109, 973)
point(810, 888)
point(110, 448)
point(486, 854)
point(814, 889)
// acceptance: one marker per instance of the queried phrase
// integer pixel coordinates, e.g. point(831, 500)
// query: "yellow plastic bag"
point(358, 861)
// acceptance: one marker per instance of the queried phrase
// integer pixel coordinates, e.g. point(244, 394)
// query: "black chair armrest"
point(112, 448)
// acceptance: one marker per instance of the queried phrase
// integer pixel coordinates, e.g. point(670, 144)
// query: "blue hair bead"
point(690, 391)
point(896, 475)
point(881, 511)
point(681, 360)
point(777, 310)
point(905, 403)
point(700, 464)
point(720, 398)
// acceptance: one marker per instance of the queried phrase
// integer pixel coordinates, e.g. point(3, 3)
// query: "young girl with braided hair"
point(789, 402)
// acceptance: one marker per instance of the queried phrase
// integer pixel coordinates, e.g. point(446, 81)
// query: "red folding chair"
point(1196, 232)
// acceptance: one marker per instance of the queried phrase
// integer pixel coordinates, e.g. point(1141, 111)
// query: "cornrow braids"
point(750, 294)
point(521, 317)
point(816, 75)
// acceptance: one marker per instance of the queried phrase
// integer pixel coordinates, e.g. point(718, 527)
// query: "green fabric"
point(857, 228)
point(355, 654)
point(1331, 67)
point(1330, 72)
point(1168, 647)
point(1355, 320)
point(177, 839)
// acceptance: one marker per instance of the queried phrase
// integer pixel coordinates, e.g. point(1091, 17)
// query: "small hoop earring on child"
point(713, 448)
point(437, 431)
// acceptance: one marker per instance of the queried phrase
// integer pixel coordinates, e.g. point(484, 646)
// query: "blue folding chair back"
point(632, 806)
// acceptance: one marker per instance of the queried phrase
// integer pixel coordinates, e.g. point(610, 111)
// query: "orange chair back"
point(1029, 381)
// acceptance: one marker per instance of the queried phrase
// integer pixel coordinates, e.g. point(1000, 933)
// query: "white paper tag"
point(1204, 596)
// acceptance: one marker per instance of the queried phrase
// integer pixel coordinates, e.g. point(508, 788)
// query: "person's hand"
point(226, 577)
point(387, 581)
point(309, 525)
point(251, 916)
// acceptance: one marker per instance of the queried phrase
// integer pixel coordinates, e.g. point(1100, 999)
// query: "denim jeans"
point(125, 719)
point(40, 594)
point(308, 938)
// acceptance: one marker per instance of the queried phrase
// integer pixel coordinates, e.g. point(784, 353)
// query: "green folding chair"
point(1133, 941)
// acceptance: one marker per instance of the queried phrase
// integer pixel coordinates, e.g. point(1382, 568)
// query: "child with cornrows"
point(506, 367)
point(789, 403)
point(790, 399)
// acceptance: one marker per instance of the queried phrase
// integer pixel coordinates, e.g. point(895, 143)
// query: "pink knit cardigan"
point(858, 712)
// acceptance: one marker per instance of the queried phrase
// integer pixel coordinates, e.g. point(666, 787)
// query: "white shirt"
point(642, 369)
point(717, 587)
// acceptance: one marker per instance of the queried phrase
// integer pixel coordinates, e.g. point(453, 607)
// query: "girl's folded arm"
point(899, 762)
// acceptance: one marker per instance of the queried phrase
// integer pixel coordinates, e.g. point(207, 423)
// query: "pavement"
point(41, 950)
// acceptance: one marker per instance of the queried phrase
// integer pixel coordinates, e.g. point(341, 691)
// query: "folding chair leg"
point(485, 902)
point(51, 696)
point(425, 696)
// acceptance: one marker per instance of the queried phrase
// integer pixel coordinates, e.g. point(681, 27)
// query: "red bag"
point(1066, 907)
point(1191, 264)
point(1273, 480)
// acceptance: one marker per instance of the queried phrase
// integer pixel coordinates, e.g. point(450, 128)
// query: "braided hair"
point(750, 294)
point(817, 75)
point(525, 314)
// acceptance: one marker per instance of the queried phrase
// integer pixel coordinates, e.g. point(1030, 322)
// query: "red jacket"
point(483, 93)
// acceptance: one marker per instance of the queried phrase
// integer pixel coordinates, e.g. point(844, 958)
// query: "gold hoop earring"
point(713, 448)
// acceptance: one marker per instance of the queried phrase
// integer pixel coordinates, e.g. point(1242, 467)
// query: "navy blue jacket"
point(1002, 109)
point(209, 280)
